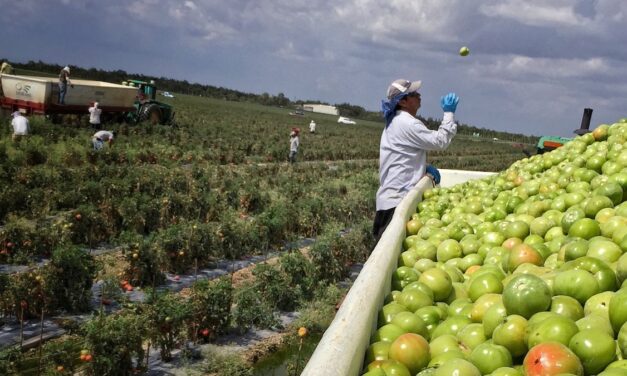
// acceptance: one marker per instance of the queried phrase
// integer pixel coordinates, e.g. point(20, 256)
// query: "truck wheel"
point(150, 113)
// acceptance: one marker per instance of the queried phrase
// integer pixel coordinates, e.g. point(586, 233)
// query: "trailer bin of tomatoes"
point(523, 272)
point(340, 351)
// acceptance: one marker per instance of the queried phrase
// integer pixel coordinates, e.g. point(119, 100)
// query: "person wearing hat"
point(404, 144)
point(100, 137)
point(294, 143)
point(64, 80)
point(6, 68)
point(20, 125)
point(94, 115)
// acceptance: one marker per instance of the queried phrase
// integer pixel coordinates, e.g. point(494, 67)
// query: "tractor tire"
point(150, 113)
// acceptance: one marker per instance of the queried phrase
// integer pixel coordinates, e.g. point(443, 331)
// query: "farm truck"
point(132, 101)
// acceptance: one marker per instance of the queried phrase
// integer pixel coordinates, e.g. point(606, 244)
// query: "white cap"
point(402, 87)
point(16, 113)
point(67, 69)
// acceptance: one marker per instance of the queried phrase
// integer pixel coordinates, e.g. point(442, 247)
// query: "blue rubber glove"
point(449, 102)
point(434, 173)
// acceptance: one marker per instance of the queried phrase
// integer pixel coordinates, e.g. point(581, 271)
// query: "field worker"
point(6, 68)
point(294, 143)
point(64, 80)
point(100, 137)
point(94, 115)
point(20, 124)
point(404, 144)
point(312, 127)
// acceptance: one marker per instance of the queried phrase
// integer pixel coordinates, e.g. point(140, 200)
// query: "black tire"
point(151, 113)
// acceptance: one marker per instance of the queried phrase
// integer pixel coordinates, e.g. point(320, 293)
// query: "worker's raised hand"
point(449, 102)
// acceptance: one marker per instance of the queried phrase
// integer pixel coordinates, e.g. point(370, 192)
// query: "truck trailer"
point(133, 101)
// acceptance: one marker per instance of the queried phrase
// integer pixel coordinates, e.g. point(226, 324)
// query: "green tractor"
point(147, 108)
point(548, 143)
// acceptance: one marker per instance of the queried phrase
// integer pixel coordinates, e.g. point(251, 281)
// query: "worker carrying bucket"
point(404, 144)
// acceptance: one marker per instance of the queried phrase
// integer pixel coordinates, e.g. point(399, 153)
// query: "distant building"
point(321, 109)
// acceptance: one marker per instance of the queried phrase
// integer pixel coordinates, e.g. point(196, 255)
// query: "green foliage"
point(16, 243)
point(69, 279)
point(211, 307)
point(146, 261)
point(224, 365)
point(300, 274)
point(252, 310)
point(274, 287)
point(167, 316)
point(62, 352)
point(10, 358)
point(115, 342)
point(316, 315)
point(23, 296)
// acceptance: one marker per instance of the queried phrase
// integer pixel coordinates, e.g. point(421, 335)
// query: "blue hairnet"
point(389, 107)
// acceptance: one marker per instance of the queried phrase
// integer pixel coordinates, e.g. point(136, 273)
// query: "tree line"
point(280, 100)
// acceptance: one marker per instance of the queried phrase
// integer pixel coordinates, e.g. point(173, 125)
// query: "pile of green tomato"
point(521, 273)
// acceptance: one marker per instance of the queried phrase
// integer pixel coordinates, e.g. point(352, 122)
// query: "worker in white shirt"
point(294, 143)
point(94, 116)
point(20, 125)
point(312, 127)
point(99, 138)
point(404, 145)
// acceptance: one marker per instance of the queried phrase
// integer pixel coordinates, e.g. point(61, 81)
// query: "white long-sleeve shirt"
point(103, 135)
point(20, 125)
point(94, 115)
point(403, 154)
point(294, 144)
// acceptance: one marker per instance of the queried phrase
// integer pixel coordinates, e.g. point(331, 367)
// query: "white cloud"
point(191, 5)
point(523, 66)
point(387, 21)
point(536, 13)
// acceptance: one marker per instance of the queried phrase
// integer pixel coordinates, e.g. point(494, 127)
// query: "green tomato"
point(488, 357)
point(567, 306)
point(525, 295)
point(438, 281)
point(506, 371)
point(471, 336)
point(410, 323)
point(553, 329)
point(585, 228)
point(457, 367)
point(484, 284)
point(388, 333)
point(599, 304)
point(595, 350)
point(512, 334)
point(411, 350)
point(597, 322)
point(577, 283)
point(618, 310)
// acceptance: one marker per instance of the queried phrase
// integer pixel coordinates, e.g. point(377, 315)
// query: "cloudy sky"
point(534, 64)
